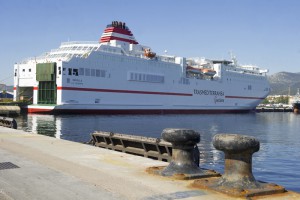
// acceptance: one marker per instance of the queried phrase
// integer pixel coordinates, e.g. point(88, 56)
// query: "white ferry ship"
point(117, 75)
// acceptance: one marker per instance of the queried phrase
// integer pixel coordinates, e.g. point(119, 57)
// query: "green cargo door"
point(45, 75)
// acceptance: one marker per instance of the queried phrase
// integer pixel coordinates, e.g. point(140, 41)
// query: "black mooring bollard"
point(183, 144)
point(238, 151)
point(238, 179)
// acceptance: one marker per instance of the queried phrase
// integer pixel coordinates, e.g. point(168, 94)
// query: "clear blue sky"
point(261, 32)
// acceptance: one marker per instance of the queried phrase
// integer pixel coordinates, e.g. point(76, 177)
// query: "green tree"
point(282, 99)
point(265, 101)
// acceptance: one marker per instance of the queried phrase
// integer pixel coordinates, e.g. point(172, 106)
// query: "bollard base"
point(263, 189)
point(206, 173)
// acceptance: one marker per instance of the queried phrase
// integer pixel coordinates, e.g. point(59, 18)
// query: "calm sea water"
point(278, 160)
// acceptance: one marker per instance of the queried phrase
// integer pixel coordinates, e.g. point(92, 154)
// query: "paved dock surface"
point(39, 167)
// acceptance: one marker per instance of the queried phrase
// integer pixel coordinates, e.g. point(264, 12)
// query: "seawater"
point(278, 160)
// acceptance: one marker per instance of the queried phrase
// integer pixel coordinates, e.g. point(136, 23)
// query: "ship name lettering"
point(218, 100)
point(209, 92)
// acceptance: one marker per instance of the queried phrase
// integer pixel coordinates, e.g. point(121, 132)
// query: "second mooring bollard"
point(238, 151)
point(238, 179)
point(183, 144)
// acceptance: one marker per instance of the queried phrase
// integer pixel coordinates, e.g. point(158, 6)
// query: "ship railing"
point(43, 56)
point(25, 61)
point(79, 42)
point(166, 59)
point(245, 71)
point(82, 52)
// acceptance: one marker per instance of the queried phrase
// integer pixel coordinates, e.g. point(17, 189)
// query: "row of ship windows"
point(152, 78)
point(250, 76)
point(83, 72)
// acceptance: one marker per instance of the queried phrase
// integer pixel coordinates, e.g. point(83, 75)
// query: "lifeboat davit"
point(149, 54)
point(208, 72)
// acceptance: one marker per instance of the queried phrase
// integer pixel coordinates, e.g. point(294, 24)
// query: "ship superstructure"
point(117, 75)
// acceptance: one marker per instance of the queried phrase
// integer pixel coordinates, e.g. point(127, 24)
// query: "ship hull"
point(209, 98)
point(46, 110)
point(296, 107)
point(201, 96)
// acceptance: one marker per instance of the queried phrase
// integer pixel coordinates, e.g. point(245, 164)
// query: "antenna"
point(233, 58)
point(231, 54)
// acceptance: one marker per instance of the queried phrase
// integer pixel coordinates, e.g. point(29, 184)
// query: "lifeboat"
point(208, 72)
point(149, 54)
point(193, 70)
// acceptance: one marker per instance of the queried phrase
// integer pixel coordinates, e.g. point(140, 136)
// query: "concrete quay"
point(39, 167)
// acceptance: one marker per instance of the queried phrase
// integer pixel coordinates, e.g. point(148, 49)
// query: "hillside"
point(6, 87)
point(280, 83)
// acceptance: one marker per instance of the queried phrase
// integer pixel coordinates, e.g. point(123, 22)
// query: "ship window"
point(102, 73)
point(70, 71)
point(59, 70)
point(23, 70)
point(92, 72)
point(75, 72)
point(29, 70)
point(184, 81)
point(97, 72)
point(87, 72)
point(81, 71)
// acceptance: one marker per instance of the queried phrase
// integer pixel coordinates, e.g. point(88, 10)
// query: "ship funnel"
point(117, 31)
